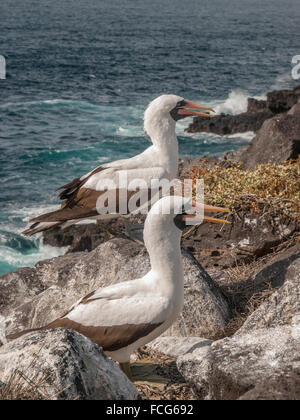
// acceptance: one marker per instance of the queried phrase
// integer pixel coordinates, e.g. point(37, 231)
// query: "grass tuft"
point(271, 188)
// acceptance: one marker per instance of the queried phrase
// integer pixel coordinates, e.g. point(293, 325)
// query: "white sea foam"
point(282, 81)
point(27, 213)
point(236, 103)
point(17, 259)
point(248, 136)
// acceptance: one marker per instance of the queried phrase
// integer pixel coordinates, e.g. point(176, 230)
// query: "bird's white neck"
point(162, 133)
point(163, 245)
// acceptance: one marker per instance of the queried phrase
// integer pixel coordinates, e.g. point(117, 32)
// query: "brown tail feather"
point(20, 334)
point(58, 323)
point(38, 227)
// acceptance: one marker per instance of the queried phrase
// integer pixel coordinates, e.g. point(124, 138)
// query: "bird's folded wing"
point(117, 323)
point(131, 179)
point(90, 197)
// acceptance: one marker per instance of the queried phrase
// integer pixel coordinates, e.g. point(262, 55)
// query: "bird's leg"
point(125, 367)
point(134, 231)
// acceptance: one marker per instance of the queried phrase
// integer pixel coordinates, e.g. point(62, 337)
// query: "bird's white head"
point(170, 215)
point(162, 114)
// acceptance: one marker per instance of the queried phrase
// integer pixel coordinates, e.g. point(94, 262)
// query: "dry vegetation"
point(24, 385)
point(272, 191)
point(270, 188)
point(20, 388)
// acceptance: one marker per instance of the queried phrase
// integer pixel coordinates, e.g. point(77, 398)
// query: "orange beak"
point(189, 110)
point(201, 209)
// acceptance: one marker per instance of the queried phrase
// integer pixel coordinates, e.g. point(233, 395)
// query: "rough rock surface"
point(230, 124)
point(295, 110)
point(177, 346)
point(283, 307)
point(194, 366)
point(241, 362)
point(67, 365)
point(280, 101)
point(255, 105)
point(77, 237)
point(277, 141)
point(282, 387)
point(34, 297)
point(262, 359)
point(248, 237)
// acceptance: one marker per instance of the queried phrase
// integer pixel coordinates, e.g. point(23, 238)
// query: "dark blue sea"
point(80, 73)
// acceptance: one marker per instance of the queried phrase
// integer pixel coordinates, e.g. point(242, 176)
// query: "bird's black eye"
point(181, 104)
point(179, 222)
point(174, 112)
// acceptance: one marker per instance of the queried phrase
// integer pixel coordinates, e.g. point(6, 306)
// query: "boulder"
point(194, 366)
point(283, 307)
point(34, 297)
point(248, 237)
point(230, 124)
point(177, 346)
point(280, 101)
point(65, 365)
point(282, 387)
point(78, 237)
point(84, 237)
point(277, 141)
point(295, 110)
point(255, 105)
point(263, 351)
point(239, 363)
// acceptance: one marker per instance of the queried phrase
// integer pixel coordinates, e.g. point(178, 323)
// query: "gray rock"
point(283, 307)
point(277, 141)
point(295, 110)
point(34, 297)
point(238, 364)
point(248, 237)
point(67, 365)
point(78, 238)
point(267, 345)
point(282, 387)
point(194, 366)
point(255, 105)
point(230, 124)
point(177, 346)
point(280, 101)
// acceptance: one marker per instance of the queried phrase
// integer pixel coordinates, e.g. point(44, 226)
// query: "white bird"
point(125, 316)
point(160, 161)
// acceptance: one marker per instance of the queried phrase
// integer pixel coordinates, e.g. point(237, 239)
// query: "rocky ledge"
point(238, 336)
point(277, 102)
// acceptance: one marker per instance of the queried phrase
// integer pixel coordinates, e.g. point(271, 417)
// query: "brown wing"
point(84, 205)
point(71, 189)
point(110, 338)
point(79, 202)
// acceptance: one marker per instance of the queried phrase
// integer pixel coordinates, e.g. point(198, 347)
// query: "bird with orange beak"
point(125, 316)
point(81, 196)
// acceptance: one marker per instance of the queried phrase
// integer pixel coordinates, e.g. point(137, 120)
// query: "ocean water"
point(80, 73)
